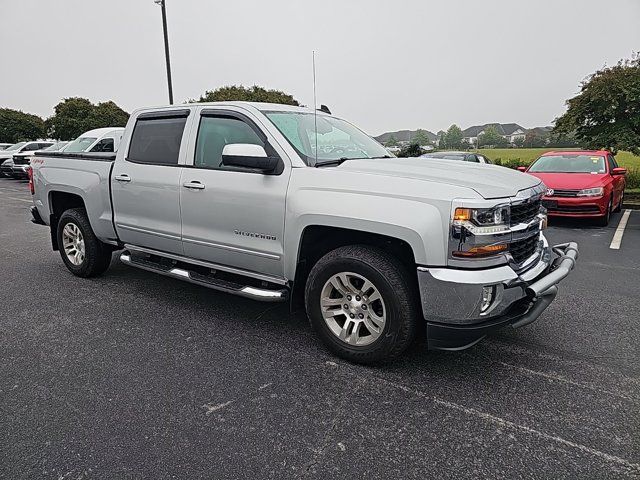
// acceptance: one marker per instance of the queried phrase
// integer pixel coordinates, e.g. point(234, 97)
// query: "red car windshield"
point(569, 164)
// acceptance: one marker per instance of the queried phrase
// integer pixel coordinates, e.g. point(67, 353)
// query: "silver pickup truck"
point(280, 203)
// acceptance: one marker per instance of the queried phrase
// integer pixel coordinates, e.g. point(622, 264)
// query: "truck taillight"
point(30, 175)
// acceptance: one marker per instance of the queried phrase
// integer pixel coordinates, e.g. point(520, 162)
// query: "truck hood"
point(571, 181)
point(489, 181)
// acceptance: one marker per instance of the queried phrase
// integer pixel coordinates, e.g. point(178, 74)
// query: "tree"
point(74, 116)
point(562, 140)
point(606, 112)
point(490, 136)
point(534, 139)
point(453, 137)
point(16, 126)
point(518, 142)
point(251, 94)
point(70, 118)
point(442, 142)
point(392, 142)
point(411, 150)
point(108, 114)
point(421, 137)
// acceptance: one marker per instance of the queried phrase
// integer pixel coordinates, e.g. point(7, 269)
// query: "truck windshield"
point(336, 139)
point(56, 146)
point(569, 164)
point(15, 147)
point(80, 144)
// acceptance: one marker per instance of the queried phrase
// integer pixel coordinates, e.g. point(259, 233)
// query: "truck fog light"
point(488, 294)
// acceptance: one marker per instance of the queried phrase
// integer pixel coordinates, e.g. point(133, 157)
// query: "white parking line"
point(617, 237)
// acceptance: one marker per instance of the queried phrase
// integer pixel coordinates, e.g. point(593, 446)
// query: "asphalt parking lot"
point(133, 375)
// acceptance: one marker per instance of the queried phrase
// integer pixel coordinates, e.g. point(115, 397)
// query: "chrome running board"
point(255, 293)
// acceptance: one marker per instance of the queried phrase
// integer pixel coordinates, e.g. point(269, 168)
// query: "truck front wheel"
point(81, 251)
point(362, 304)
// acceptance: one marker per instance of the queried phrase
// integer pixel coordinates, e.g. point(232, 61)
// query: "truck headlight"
point(483, 221)
point(591, 192)
point(480, 232)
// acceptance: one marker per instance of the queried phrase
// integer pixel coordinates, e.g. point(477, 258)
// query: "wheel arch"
point(59, 202)
point(318, 239)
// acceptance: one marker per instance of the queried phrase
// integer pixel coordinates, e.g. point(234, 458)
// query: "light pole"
point(166, 47)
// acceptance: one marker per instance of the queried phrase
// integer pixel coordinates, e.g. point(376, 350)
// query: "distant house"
point(404, 137)
point(510, 131)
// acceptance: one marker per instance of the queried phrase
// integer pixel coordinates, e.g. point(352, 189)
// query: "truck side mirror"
point(619, 171)
point(522, 169)
point(246, 155)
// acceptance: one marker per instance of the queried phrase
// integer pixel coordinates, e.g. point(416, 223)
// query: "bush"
point(411, 150)
point(633, 178)
point(512, 162)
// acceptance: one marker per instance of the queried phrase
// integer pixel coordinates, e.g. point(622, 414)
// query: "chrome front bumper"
point(458, 316)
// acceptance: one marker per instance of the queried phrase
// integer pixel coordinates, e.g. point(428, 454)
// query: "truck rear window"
point(156, 140)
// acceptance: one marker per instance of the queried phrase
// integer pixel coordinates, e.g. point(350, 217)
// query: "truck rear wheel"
point(81, 251)
point(362, 304)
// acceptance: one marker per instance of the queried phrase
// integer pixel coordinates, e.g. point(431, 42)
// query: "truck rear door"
point(232, 216)
point(145, 182)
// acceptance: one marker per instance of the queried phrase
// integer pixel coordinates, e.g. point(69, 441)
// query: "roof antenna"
point(315, 111)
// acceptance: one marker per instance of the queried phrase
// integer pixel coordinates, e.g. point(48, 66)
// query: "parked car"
point(232, 196)
point(6, 156)
point(4, 146)
point(461, 156)
point(394, 149)
point(104, 140)
point(22, 160)
point(586, 183)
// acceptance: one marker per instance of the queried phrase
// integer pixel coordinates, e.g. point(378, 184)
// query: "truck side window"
point(156, 140)
point(216, 132)
point(612, 162)
point(104, 145)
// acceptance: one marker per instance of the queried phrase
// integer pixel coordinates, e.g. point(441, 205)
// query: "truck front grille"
point(524, 212)
point(20, 160)
point(522, 249)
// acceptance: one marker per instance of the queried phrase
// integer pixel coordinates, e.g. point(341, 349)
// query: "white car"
point(99, 140)
point(22, 160)
point(6, 156)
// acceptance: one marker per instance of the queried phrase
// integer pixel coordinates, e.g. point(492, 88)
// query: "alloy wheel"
point(353, 308)
point(73, 243)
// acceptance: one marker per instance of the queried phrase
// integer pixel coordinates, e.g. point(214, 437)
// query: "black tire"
point(396, 286)
point(603, 221)
point(620, 203)
point(97, 255)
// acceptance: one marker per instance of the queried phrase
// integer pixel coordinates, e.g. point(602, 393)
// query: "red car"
point(585, 183)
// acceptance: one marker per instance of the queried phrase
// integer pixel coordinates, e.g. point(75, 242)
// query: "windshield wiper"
point(339, 161)
point(335, 162)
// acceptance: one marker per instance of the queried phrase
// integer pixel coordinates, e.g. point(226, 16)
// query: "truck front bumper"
point(462, 306)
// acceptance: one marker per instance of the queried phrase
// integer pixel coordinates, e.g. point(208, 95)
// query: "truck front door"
point(232, 216)
point(145, 185)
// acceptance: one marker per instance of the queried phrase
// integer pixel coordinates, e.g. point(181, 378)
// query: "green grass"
point(514, 157)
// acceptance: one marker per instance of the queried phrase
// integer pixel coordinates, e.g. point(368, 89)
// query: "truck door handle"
point(122, 178)
point(194, 185)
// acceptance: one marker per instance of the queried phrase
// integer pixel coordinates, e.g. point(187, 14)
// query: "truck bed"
point(86, 175)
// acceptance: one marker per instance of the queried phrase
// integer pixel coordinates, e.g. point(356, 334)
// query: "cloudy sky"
point(385, 65)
